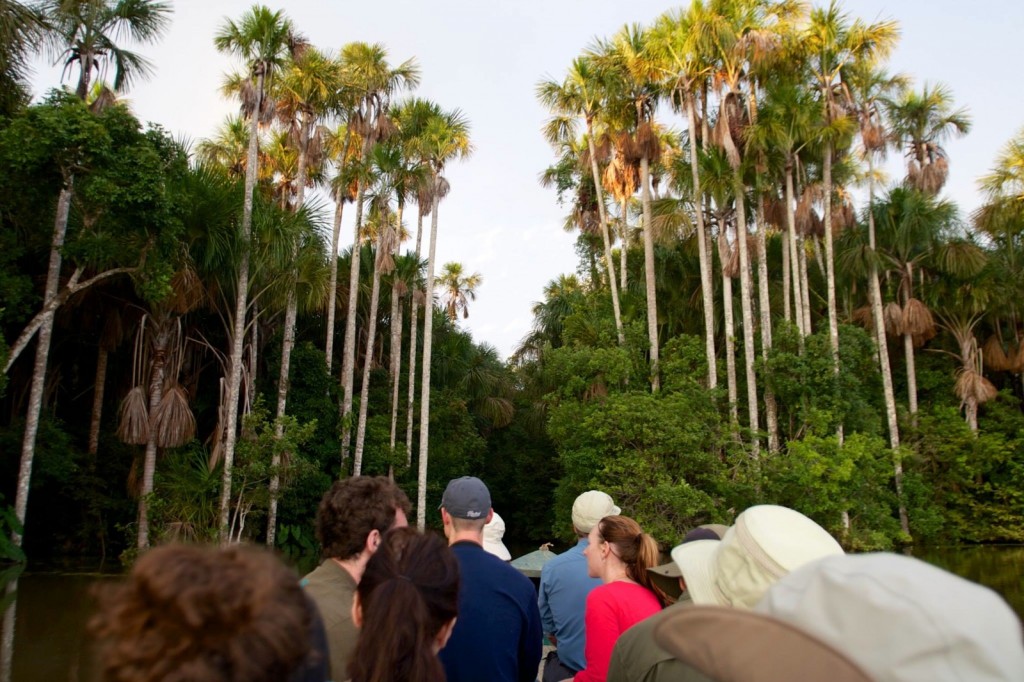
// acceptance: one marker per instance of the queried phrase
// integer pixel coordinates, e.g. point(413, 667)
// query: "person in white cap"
point(494, 531)
point(565, 586)
point(891, 617)
point(765, 543)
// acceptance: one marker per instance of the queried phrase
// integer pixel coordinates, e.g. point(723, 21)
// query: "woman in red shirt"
point(619, 554)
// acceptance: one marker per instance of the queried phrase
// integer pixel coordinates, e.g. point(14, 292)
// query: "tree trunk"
point(428, 340)
point(158, 367)
point(830, 267)
point(413, 330)
point(624, 248)
point(45, 334)
point(348, 363)
point(805, 286)
point(746, 310)
point(241, 307)
point(288, 342)
point(725, 255)
point(787, 293)
point(609, 263)
point(649, 274)
point(706, 286)
point(332, 291)
point(371, 340)
point(798, 295)
point(395, 364)
point(770, 406)
point(99, 386)
point(908, 350)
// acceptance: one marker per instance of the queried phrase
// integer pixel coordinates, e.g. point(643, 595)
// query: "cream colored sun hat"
point(591, 507)
point(765, 543)
point(494, 531)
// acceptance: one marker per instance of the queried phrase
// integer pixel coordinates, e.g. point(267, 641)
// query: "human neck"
point(615, 571)
point(465, 536)
point(354, 566)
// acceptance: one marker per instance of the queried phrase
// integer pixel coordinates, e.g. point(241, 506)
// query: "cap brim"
point(696, 562)
point(669, 570)
point(736, 645)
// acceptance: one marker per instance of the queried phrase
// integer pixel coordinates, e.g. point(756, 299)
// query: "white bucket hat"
point(590, 507)
point(902, 619)
point(494, 531)
point(765, 543)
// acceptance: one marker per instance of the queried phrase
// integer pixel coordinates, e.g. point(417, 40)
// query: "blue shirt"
point(564, 587)
point(497, 635)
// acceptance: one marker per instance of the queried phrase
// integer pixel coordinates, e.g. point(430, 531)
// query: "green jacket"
point(333, 590)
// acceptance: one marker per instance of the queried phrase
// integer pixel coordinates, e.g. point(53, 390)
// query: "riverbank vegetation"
point(182, 344)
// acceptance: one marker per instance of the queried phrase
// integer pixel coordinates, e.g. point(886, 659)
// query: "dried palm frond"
point(864, 318)
point(134, 482)
point(971, 384)
point(187, 291)
point(843, 217)
point(419, 296)
point(648, 144)
point(873, 137)
point(401, 288)
point(893, 316)
point(625, 146)
point(1015, 358)
point(730, 257)
point(918, 320)
point(817, 225)
point(133, 424)
point(602, 148)
point(113, 330)
point(596, 390)
point(174, 422)
point(775, 212)
point(804, 221)
point(994, 355)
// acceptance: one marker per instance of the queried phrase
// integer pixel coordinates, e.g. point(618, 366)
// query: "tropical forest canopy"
point(193, 350)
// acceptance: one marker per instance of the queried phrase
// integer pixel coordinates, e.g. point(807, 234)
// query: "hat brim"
point(696, 562)
point(736, 645)
point(498, 549)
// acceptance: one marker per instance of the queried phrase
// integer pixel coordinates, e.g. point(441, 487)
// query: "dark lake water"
point(52, 609)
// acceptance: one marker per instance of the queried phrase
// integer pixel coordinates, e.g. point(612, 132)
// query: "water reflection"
point(998, 567)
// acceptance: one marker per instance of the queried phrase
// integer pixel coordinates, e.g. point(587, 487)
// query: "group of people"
point(772, 597)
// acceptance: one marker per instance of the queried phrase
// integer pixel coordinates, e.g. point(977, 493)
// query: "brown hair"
point(409, 592)
point(354, 507)
point(636, 549)
point(204, 614)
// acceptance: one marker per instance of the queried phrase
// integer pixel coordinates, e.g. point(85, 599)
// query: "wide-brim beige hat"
point(736, 645)
point(766, 543)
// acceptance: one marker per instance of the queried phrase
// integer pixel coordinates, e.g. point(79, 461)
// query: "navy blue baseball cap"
point(467, 498)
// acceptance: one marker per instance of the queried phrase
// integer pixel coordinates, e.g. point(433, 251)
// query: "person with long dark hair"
point(619, 554)
point(405, 606)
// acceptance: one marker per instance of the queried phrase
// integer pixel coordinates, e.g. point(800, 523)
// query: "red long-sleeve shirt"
point(611, 610)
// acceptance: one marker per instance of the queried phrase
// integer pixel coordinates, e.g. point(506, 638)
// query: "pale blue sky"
point(485, 57)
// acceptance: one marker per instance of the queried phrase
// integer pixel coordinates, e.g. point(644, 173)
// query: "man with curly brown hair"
point(353, 516)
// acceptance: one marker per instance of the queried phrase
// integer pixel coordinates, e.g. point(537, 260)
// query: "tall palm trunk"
point(624, 248)
point(99, 387)
point(770, 406)
point(157, 371)
point(348, 363)
point(45, 334)
point(288, 342)
point(649, 274)
point(706, 286)
point(746, 310)
point(830, 268)
point(395, 367)
point(798, 294)
point(908, 347)
point(725, 255)
point(332, 291)
point(787, 294)
point(609, 263)
point(371, 334)
point(241, 307)
point(805, 285)
point(875, 294)
point(413, 330)
point(428, 340)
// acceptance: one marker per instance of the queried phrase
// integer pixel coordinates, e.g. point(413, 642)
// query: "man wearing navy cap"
point(497, 635)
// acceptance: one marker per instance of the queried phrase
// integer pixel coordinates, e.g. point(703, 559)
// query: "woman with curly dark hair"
point(406, 606)
point(207, 615)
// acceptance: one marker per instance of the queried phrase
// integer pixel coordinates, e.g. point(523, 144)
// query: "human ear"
point(444, 635)
point(373, 541)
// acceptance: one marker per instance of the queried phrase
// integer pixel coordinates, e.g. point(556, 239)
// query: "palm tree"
point(85, 33)
point(70, 23)
point(21, 28)
point(581, 94)
point(921, 122)
point(343, 156)
point(445, 138)
point(636, 71)
point(458, 289)
point(833, 43)
point(305, 94)
point(678, 39)
point(372, 82)
point(261, 39)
